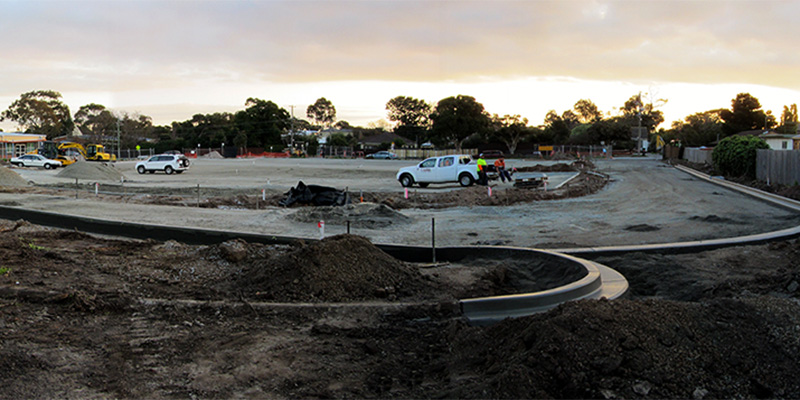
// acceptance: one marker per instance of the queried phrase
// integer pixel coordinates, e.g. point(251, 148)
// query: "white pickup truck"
point(445, 169)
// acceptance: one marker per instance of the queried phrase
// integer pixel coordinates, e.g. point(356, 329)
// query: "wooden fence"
point(778, 166)
point(698, 155)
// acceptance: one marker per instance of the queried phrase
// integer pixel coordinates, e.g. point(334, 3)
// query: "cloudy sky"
point(173, 59)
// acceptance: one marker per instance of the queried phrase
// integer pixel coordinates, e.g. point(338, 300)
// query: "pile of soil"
point(578, 165)
point(213, 155)
point(95, 171)
point(11, 178)
point(93, 317)
point(725, 348)
point(335, 269)
point(359, 215)
point(585, 184)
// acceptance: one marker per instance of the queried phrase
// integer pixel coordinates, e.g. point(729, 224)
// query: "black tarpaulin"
point(315, 195)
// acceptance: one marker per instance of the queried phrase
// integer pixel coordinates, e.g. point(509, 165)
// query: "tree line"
point(457, 121)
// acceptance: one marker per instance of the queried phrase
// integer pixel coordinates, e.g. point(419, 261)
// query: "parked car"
point(445, 169)
point(168, 163)
point(382, 155)
point(492, 153)
point(35, 160)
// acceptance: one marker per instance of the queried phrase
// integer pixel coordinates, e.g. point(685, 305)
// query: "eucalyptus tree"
point(457, 118)
point(41, 112)
point(322, 111)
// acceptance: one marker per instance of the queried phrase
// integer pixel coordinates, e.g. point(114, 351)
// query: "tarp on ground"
point(315, 195)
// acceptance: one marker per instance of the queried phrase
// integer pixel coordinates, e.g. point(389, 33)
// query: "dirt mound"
point(11, 178)
point(560, 167)
point(213, 155)
point(642, 228)
point(338, 268)
point(726, 348)
point(712, 218)
point(91, 171)
point(360, 215)
point(584, 184)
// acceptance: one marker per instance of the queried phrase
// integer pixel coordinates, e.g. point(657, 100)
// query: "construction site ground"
point(91, 317)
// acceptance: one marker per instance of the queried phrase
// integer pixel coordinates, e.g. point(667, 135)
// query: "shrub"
point(736, 155)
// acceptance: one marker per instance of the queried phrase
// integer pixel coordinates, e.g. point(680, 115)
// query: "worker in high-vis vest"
point(482, 178)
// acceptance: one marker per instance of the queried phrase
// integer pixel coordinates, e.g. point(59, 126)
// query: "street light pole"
point(291, 129)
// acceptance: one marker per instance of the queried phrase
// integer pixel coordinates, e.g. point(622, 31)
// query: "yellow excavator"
point(92, 152)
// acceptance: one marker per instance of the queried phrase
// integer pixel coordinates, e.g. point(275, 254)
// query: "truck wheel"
point(168, 170)
point(140, 170)
point(406, 180)
point(465, 180)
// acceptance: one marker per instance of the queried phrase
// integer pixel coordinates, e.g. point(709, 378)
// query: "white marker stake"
point(96, 188)
point(264, 194)
point(321, 225)
point(545, 185)
point(490, 191)
point(406, 189)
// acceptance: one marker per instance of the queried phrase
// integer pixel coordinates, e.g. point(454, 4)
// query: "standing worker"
point(500, 165)
point(482, 179)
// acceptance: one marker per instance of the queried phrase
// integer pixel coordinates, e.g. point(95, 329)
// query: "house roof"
point(20, 137)
point(778, 135)
point(755, 132)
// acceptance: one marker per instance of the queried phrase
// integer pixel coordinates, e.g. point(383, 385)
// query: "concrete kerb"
point(771, 198)
point(599, 281)
point(703, 245)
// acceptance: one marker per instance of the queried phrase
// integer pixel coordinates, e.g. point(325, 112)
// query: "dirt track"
point(86, 317)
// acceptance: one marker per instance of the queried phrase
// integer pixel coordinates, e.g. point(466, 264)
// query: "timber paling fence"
point(698, 155)
point(778, 166)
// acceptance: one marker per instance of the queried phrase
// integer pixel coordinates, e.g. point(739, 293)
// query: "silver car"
point(35, 160)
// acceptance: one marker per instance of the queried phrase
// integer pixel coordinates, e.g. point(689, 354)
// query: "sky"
point(173, 59)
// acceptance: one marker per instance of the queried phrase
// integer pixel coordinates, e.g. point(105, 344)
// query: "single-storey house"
point(14, 144)
point(782, 141)
point(374, 141)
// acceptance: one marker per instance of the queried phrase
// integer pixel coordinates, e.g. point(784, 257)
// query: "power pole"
point(119, 142)
point(291, 130)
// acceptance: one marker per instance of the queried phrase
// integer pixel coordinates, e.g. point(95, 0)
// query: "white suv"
point(168, 163)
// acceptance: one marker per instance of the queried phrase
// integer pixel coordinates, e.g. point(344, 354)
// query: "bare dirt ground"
point(89, 317)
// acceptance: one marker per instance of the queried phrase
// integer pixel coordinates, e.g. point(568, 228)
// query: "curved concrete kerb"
point(599, 282)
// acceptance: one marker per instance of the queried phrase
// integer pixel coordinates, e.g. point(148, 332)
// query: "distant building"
point(781, 141)
point(14, 144)
point(374, 141)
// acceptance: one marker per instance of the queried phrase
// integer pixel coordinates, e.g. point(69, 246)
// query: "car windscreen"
point(429, 163)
